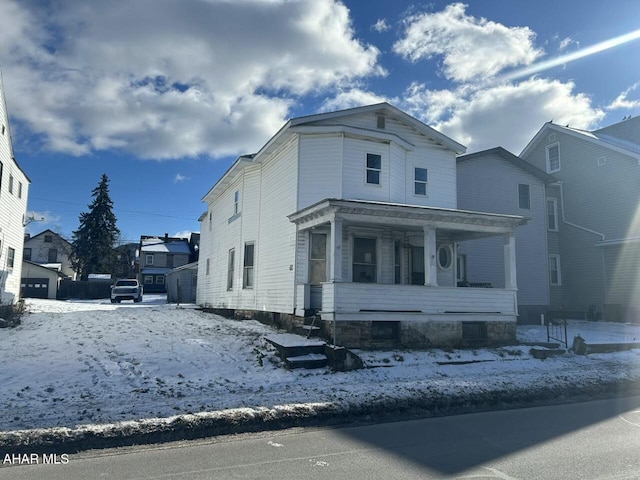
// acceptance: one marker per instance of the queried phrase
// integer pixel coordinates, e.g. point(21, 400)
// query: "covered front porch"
point(380, 273)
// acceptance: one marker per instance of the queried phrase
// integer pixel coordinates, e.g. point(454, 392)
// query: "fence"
point(83, 290)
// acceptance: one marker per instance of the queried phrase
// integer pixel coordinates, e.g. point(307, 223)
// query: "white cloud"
point(506, 115)
point(565, 42)
point(353, 98)
point(182, 234)
point(381, 25)
point(165, 79)
point(471, 48)
point(180, 178)
point(622, 101)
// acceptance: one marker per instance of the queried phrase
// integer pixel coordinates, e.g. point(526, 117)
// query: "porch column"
point(335, 271)
point(430, 268)
point(510, 281)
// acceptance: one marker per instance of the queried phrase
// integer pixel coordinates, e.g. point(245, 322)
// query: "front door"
point(417, 266)
point(317, 267)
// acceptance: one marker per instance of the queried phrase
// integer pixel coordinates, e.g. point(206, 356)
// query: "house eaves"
point(511, 158)
point(604, 141)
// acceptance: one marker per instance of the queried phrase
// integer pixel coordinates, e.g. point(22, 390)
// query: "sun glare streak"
point(570, 57)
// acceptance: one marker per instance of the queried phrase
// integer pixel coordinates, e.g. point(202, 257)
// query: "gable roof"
point(596, 137)
point(514, 159)
point(158, 245)
point(289, 128)
point(47, 232)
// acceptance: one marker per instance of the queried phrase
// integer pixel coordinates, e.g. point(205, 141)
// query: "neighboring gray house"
point(593, 217)
point(181, 283)
point(158, 256)
point(498, 181)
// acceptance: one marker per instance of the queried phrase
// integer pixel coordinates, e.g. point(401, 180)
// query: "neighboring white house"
point(353, 215)
point(14, 186)
point(49, 250)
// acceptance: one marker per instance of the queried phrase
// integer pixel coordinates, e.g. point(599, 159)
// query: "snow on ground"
point(85, 362)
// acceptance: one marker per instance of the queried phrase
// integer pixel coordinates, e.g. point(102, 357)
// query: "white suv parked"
point(126, 289)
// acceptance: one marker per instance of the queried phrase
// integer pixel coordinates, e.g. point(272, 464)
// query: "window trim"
point(148, 279)
point(368, 169)
point(11, 257)
point(374, 264)
point(548, 162)
point(417, 182)
point(236, 202)
point(446, 247)
point(146, 259)
point(558, 264)
point(159, 279)
point(24, 254)
point(11, 184)
point(249, 269)
point(553, 201)
point(520, 197)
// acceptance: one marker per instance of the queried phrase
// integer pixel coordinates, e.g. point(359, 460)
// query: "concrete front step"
point(310, 360)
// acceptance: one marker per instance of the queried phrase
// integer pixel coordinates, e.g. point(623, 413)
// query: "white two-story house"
point(352, 216)
point(14, 186)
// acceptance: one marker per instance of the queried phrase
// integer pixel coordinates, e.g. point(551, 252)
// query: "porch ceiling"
point(461, 224)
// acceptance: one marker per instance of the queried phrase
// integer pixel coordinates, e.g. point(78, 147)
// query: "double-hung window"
point(420, 181)
point(552, 214)
point(553, 158)
point(249, 257)
point(524, 196)
point(555, 275)
point(230, 268)
point(11, 255)
point(148, 260)
point(365, 266)
point(374, 168)
point(236, 202)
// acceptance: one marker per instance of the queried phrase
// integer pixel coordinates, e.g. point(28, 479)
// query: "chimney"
point(166, 238)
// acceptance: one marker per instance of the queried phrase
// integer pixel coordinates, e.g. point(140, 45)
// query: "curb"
point(246, 420)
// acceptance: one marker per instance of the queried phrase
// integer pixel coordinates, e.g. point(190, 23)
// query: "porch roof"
point(465, 223)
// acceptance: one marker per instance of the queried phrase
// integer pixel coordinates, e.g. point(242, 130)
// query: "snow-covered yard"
point(72, 363)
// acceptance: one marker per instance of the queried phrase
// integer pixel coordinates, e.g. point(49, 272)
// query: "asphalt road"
point(595, 440)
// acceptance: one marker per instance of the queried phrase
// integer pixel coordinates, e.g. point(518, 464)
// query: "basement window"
point(385, 330)
point(474, 330)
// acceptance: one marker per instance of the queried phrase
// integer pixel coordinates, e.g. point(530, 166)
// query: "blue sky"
point(162, 95)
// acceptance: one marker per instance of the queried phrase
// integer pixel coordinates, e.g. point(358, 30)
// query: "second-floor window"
point(53, 255)
point(26, 254)
point(553, 158)
point(374, 168)
point(420, 181)
point(19, 189)
point(236, 202)
point(10, 183)
point(524, 196)
point(148, 260)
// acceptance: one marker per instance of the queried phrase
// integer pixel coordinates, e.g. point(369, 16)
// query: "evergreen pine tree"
point(94, 240)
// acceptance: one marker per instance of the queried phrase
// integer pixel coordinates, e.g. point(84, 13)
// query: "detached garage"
point(38, 281)
point(181, 284)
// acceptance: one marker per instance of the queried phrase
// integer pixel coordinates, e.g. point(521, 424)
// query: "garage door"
point(35, 287)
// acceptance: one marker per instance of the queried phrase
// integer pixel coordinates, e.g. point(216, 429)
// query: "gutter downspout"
point(585, 229)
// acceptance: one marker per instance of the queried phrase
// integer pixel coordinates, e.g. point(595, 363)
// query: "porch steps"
point(310, 328)
point(298, 351)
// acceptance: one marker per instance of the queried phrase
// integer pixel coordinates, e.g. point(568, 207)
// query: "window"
point(397, 267)
point(148, 260)
point(48, 238)
point(11, 255)
point(555, 276)
point(170, 258)
point(53, 255)
point(230, 269)
point(210, 221)
point(236, 202)
point(19, 189)
point(552, 214)
point(553, 158)
point(444, 257)
point(524, 196)
point(160, 280)
point(208, 269)
point(461, 268)
point(10, 183)
point(374, 168)
point(247, 274)
point(26, 254)
point(148, 279)
point(318, 259)
point(420, 181)
point(380, 122)
point(364, 260)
